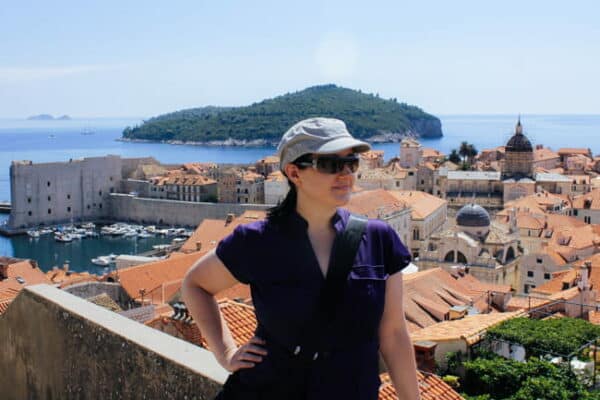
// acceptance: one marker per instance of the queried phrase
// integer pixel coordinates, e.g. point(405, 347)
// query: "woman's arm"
point(396, 346)
point(207, 277)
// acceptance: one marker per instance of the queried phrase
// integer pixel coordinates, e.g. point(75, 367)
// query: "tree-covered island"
point(367, 116)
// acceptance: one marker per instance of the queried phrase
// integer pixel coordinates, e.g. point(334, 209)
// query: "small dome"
point(473, 215)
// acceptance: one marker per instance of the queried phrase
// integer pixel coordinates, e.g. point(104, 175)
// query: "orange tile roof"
point(19, 269)
point(431, 387)
point(470, 328)
point(525, 303)
point(211, 231)
point(240, 319)
point(594, 317)
point(544, 153)
point(159, 280)
point(269, 160)
point(427, 152)
point(372, 154)
point(571, 150)
point(591, 200)
point(375, 203)
point(239, 291)
point(429, 294)
point(276, 176)
point(422, 204)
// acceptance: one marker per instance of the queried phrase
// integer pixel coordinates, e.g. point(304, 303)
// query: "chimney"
point(425, 355)
point(66, 266)
point(229, 218)
point(198, 246)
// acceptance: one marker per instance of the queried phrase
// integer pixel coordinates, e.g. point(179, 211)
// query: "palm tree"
point(454, 157)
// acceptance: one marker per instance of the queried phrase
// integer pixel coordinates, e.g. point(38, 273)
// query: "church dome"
point(519, 142)
point(473, 215)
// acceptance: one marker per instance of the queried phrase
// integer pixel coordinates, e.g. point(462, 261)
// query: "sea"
point(47, 141)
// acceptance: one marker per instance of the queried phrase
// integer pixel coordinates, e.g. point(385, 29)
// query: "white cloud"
point(28, 74)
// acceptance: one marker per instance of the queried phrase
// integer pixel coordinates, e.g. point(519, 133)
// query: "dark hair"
point(288, 205)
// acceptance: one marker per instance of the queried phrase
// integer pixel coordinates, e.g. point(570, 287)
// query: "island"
point(367, 116)
point(48, 117)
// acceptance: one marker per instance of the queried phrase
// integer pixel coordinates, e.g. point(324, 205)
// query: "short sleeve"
point(397, 256)
point(233, 252)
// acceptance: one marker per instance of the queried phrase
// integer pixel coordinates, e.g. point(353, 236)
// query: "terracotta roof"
point(372, 154)
point(427, 152)
point(377, 203)
point(525, 302)
point(185, 180)
point(211, 231)
point(276, 176)
point(571, 150)
point(20, 273)
point(236, 292)
point(594, 317)
point(431, 387)
point(544, 153)
point(589, 200)
point(159, 280)
point(250, 176)
point(422, 204)
point(430, 294)
point(240, 319)
point(470, 328)
point(104, 300)
point(269, 160)
point(476, 285)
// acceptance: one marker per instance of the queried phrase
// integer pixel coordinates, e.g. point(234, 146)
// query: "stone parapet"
point(58, 346)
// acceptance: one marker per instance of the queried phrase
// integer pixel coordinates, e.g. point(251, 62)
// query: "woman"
point(304, 349)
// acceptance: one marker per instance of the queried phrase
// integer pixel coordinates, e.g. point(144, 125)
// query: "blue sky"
point(134, 58)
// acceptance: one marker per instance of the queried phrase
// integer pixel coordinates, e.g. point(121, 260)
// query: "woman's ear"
point(291, 171)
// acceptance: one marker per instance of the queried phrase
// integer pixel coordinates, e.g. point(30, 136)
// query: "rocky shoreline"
point(386, 137)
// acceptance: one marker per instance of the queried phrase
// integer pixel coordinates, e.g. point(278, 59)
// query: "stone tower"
point(519, 155)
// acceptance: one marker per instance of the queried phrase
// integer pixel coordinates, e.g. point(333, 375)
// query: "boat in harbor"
point(33, 234)
point(63, 237)
point(104, 260)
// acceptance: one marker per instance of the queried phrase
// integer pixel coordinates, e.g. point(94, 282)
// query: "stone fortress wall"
point(58, 346)
point(59, 192)
point(130, 208)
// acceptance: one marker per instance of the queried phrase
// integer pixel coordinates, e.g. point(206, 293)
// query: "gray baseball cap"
point(317, 136)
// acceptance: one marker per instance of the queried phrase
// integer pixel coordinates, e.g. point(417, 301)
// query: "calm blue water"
point(43, 141)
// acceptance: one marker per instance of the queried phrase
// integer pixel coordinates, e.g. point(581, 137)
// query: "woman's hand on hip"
point(246, 356)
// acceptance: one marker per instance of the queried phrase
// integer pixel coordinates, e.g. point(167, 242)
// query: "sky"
point(144, 58)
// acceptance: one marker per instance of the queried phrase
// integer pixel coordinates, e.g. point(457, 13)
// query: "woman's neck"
point(317, 217)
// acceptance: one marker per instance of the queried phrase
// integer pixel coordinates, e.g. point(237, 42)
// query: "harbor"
point(101, 244)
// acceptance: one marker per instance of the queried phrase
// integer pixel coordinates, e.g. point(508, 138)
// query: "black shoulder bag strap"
point(345, 247)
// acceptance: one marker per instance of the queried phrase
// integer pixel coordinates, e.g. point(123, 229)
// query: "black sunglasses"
point(331, 164)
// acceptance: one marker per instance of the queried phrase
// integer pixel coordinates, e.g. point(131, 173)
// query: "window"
point(49, 198)
point(100, 193)
point(68, 197)
point(539, 260)
point(29, 199)
point(422, 181)
point(88, 207)
point(111, 178)
point(29, 213)
point(410, 173)
point(49, 211)
point(48, 183)
point(100, 205)
point(546, 276)
point(397, 183)
point(113, 189)
point(68, 209)
point(575, 212)
point(530, 274)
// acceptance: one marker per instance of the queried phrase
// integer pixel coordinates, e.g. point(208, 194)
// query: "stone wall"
point(58, 346)
point(90, 289)
point(124, 207)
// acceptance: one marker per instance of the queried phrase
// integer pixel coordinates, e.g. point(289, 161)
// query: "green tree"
point(454, 157)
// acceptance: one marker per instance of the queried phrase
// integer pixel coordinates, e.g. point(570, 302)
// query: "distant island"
point(48, 117)
point(367, 116)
